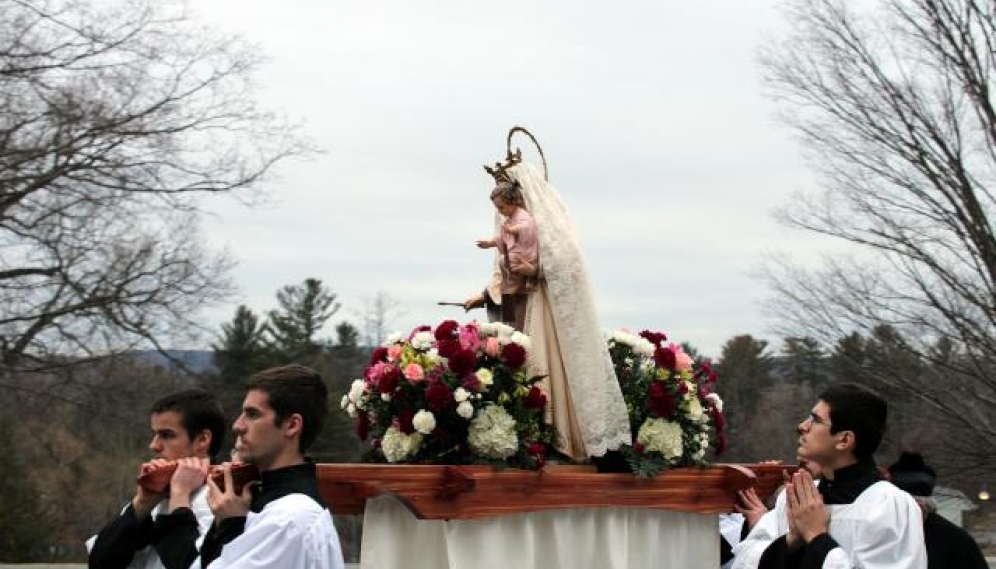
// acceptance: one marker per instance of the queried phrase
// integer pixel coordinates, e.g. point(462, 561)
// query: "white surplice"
point(292, 532)
point(881, 529)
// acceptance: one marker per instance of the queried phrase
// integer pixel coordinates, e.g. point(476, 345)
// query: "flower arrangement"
point(456, 394)
point(673, 411)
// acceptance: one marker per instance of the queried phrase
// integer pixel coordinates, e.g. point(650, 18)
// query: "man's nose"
point(155, 445)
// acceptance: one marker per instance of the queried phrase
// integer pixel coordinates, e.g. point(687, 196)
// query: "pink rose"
point(394, 352)
point(683, 362)
point(414, 373)
point(492, 347)
point(470, 338)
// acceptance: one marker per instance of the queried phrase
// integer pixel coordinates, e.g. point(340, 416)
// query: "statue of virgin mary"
point(567, 343)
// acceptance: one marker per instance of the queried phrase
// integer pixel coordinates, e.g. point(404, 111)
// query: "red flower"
point(378, 355)
point(682, 388)
point(664, 358)
point(717, 419)
point(720, 444)
point(655, 338)
point(463, 362)
point(446, 331)
point(535, 399)
point(514, 355)
point(659, 400)
point(536, 448)
point(389, 381)
point(448, 347)
point(638, 447)
point(471, 382)
point(405, 418)
point(438, 397)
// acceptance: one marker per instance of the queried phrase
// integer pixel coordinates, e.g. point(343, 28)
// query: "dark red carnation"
point(389, 380)
point(659, 400)
point(720, 444)
point(405, 418)
point(682, 388)
point(713, 377)
point(471, 382)
point(655, 338)
point(705, 368)
point(362, 426)
point(664, 358)
point(438, 397)
point(447, 330)
point(717, 419)
point(536, 448)
point(535, 399)
point(422, 328)
point(638, 447)
point(378, 355)
point(514, 355)
point(448, 347)
point(463, 362)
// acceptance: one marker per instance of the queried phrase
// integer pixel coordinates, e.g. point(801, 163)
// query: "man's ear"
point(202, 443)
point(846, 441)
point(293, 426)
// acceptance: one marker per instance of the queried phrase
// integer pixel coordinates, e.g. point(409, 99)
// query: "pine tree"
point(304, 310)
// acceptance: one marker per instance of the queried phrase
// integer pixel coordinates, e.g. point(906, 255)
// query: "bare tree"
point(893, 99)
point(115, 119)
point(378, 313)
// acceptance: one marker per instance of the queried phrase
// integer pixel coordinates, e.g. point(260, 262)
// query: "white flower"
point(356, 390)
point(488, 329)
point(492, 433)
point(461, 395)
point(500, 329)
point(521, 339)
point(385, 396)
point(644, 347)
point(693, 409)
point(398, 446)
point(432, 357)
point(662, 436)
point(465, 409)
point(422, 341)
point(394, 338)
point(424, 422)
point(351, 409)
point(485, 376)
point(344, 402)
point(716, 401)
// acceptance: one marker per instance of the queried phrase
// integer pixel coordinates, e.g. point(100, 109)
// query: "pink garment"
point(519, 249)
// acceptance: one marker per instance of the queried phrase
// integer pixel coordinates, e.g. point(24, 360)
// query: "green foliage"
point(304, 310)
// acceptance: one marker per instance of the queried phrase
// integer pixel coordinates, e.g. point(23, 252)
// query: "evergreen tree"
point(848, 361)
point(242, 351)
point(304, 310)
point(804, 361)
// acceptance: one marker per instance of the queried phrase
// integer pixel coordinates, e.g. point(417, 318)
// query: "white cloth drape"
point(579, 538)
point(583, 357)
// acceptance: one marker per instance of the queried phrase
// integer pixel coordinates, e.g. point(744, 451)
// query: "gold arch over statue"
point(513, 158)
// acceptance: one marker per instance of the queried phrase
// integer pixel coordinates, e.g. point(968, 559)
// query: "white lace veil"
point(594, 389)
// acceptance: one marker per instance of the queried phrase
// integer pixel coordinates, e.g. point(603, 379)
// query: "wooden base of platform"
point(438, 492)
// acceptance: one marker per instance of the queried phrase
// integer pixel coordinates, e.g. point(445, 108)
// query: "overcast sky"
point(652, 114)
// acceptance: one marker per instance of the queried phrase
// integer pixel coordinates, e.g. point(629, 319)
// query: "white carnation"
point(521, 339)
point(422, 341)
point(356, 390)
point(385, 396)
point(662, 436)
point(351, 409)
point(716, 401)
point(461, 395)
point(693, 409)
point(488, 329)
point(485, 376)
point(344, 402)
point(398, 446)
point(492, 433)
point(394, 338)
point(424, 422)
point(465, 409)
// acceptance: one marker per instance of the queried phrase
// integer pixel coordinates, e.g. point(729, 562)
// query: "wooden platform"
point(437, 492)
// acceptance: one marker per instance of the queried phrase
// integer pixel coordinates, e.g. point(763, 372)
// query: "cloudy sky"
point(652, 114)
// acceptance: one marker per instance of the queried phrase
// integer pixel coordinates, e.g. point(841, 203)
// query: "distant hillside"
point(198, 361)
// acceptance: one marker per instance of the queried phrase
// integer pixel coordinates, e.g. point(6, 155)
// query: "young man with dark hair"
point(184, 424)
point(281, 522)
point(853, 518)
point(948, 546)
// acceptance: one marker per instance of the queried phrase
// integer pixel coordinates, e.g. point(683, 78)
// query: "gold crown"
point(499, 172)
